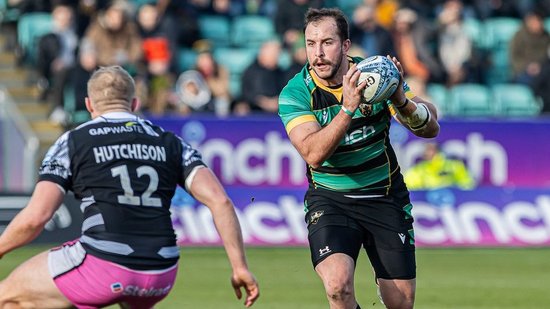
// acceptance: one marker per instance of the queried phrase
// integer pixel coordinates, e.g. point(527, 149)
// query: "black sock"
point(358, 307)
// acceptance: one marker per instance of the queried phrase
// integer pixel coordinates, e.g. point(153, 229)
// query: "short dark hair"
point(315, 15)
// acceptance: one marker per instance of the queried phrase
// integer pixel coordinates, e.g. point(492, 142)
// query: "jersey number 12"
point(129, 198)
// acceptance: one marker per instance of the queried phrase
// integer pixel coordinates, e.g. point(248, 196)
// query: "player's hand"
point(352, 92)
point(246, 280)
point(398, 97)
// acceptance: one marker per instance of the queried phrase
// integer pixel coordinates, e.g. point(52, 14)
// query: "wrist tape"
point(419, 119)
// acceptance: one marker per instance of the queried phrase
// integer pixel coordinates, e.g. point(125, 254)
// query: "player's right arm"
point(314, 143)
point(206, 188)
point(30, 221)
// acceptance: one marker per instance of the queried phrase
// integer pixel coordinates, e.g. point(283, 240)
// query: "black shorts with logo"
point(382, 225)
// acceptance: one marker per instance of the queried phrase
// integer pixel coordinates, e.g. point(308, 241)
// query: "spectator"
point(86, 11)
point(55, 59)
point(368, 34)
point(204, 89)
point(455, 47)
point(412, 37)
point(299, 59)
point(56, 55)
point(437, 171)
point(541, 86)
point(156, 80)
point(529, 48)
point(385, 11)
point(217, 80)
point(193, 94)
point(116, 37)
point(81, 73)
point(289, 19)
point(262, 81)
point(179, 20)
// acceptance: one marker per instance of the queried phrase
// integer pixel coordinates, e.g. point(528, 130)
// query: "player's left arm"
point(29, 222)
point(206, 188)
point(416, 114)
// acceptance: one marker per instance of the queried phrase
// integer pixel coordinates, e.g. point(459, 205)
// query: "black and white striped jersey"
point(125, 171)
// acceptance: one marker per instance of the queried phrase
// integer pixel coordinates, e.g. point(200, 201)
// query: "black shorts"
point(382, 225)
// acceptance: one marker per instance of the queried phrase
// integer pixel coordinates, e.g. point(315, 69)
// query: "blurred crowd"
point(431, 39)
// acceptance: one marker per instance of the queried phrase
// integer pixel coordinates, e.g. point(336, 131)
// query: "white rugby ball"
point(382, 77)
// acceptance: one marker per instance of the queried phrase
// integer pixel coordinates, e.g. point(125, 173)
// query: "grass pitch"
point(447, 278)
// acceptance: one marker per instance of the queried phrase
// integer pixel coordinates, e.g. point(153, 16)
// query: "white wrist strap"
point(420, 118)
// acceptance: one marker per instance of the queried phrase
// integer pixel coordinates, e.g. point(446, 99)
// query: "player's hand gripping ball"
point(382, 78)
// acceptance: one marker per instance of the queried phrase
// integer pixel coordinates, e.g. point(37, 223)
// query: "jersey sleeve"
point(56, 166)
point(295, 104)
point(191, 161)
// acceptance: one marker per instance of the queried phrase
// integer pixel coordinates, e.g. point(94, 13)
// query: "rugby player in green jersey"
point(356, 196)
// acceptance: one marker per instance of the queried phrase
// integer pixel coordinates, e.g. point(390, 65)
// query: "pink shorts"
point(89, 282)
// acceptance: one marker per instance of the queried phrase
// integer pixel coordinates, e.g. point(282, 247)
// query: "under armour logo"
point(324, 251)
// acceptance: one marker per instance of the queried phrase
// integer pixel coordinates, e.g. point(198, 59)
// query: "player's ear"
point(89, 106)
point(346, 45)
point(134, 105)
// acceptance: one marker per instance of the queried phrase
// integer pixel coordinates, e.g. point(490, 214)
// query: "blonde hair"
point(111, 87)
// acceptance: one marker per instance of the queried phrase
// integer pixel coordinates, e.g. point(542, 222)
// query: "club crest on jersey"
point(366, 109)
point(116, 287)
point(314, 218)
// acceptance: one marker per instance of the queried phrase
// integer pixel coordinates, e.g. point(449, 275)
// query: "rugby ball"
point(382, 77)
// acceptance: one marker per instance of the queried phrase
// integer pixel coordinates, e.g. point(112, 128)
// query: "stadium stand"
point(8, 14)
point(498, 33)
point(215, 29)
point(30, 27)
point(186, 58)
point(240, 59)
point(515, 100)
point(250, 31)
point(471, 100)
point(234, 42)
point(439, 94)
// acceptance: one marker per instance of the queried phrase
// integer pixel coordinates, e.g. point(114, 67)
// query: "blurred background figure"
point(81, 73)
point(56, 56)
point(155, 78)
point(262, 81)
point(384, 10)
point(455, 46)
point(412, 37)
point(289, 19)
point(436, 171)
point(299, 59)
point(179, 20)
point(529, 48)
point(217, 79)
point(193, 94)
point(116, 37)
point(367, 34)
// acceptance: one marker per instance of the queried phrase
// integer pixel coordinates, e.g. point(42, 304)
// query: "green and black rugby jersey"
point(364, 162)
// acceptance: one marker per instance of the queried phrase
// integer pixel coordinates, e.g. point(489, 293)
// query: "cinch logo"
point(116, 287)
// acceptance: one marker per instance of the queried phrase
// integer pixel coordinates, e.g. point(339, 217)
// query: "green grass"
point(447, 278)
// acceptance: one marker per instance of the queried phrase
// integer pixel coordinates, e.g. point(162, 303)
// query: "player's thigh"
point(333, 236)
point(392, 254)
point(31, 285)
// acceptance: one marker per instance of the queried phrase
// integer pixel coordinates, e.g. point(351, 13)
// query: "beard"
point(334, 68)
